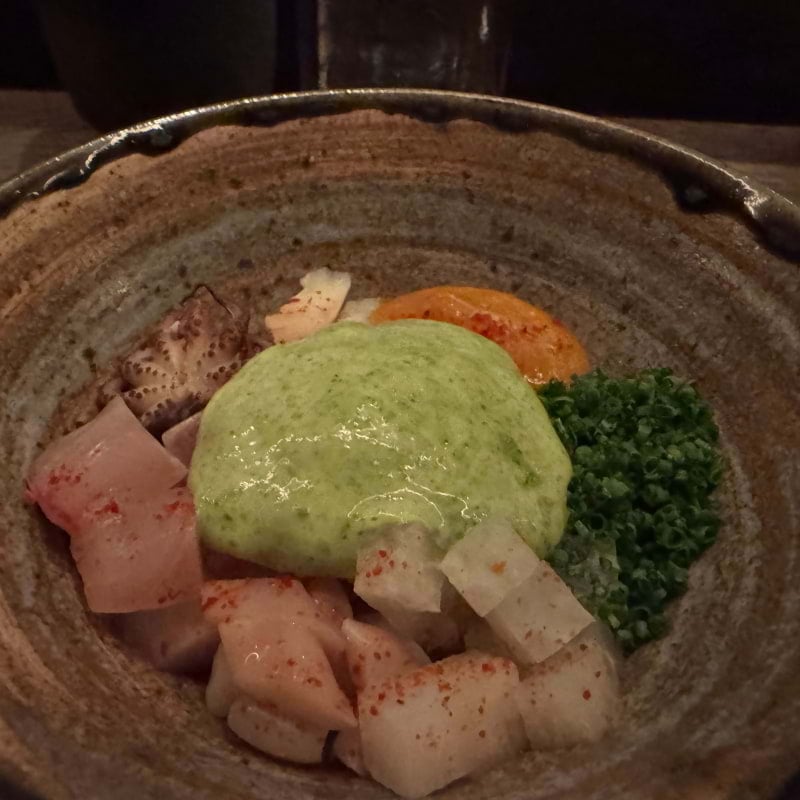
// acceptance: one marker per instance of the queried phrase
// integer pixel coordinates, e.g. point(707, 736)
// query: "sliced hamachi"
point(176, 639)
point(180, 439)
point(276, 599)
point(283, 664)
point(140, 552)
point(220, 689)
point(573, 696)
point(488, 563)
point(283, 598)
point(80, 473)
point(441, 722)
point(261, 724)
point(359, 310)
point(313, 308)
point(278, 644)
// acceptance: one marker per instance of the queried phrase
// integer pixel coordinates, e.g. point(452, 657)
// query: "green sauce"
point(315, 444)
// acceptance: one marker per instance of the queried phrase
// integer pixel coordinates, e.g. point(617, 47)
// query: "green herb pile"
point(645, 461)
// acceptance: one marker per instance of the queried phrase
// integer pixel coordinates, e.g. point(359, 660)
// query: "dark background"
point(695, 59)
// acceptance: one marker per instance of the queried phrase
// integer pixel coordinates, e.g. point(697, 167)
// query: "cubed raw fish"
point(176, 639)
point(278, 644)
point(573, 696)
point(453, 718)
point(333, 603)
point(284, 598)
point(538, 617)
point(398, 571)
point(479, 636)
point(140, 553)
point(264, 727)
point(456, 608)
point(180, 439)
point(285, 664)
point(220, 689)
point(330, 595)
point(488, 563)
point(347, 748)
point(371, 617)
point(374, 654)
point(435, 633)
point(397, 574)
point(359, 310)
point(110, 457)
point(438, 632)
point(313, 308)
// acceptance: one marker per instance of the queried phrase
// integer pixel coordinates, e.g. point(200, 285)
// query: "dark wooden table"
point(37, 125)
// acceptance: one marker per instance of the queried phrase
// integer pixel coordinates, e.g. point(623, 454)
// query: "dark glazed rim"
point(699, 184)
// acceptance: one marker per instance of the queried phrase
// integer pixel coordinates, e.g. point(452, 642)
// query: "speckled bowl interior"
point(653, 256)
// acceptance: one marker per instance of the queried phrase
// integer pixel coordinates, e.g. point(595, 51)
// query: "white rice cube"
point(573, 696)
point(538, 617)
point(398, 571)
point(453, 718)
point(488, 563)
point(374, 654)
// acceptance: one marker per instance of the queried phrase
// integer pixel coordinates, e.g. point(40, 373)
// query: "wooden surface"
point(37, 125)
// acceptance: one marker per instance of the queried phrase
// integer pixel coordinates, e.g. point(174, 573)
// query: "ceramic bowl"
point(653, 254)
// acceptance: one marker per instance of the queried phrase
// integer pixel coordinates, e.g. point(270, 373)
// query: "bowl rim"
point(699, 182)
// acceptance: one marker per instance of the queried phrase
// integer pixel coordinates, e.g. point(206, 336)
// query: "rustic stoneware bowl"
point(654, 255)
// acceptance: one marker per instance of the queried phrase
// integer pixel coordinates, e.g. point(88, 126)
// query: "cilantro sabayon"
point(645, 463)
